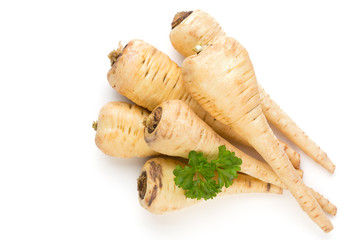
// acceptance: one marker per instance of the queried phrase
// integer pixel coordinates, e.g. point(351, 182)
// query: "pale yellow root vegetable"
point(289, 128)
point(120, 132)
point(159, 194)
point(148, 77)
point(174, 129)
point(222, 79)
point(191, 30)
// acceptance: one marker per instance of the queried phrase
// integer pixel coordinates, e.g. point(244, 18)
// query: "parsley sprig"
point(197, 179)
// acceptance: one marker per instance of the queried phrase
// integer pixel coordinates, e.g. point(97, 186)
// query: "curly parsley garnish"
point(197, 179)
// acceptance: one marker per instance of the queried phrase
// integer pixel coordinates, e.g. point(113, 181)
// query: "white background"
point(55, 183)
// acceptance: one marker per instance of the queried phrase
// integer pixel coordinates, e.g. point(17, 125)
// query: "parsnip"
point(159, 194)
point(174, 129)
point(221, 78)
point(120, 132)
point(148, 77)
point(289, 128)
point(191, 29)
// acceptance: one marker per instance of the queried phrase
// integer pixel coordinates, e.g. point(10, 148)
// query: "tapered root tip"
point(141, 185)
point(327, 229)
point(179, 17)
point(115, 54)
point(153, 120)
point(334, 211)
point(327, 164)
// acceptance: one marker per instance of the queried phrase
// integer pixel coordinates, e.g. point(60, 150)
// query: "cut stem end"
point(141, 185)
point(94, 125)
point(179, 17)
point(153, 120)
point(115, 54)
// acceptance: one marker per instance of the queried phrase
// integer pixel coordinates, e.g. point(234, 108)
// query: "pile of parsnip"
point(212, 99)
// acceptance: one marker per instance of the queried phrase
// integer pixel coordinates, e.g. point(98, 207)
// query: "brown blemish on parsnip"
point(141, 184)
point(268, 186)
point(156, 172)
point(153, 195)
point(179, 17)
point(153, 120)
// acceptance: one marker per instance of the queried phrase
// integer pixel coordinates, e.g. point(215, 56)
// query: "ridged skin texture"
point(120, 132)
point(180, 130)
point(148, 77)
point(226, 65)
point(163, 196)
point(199, 28)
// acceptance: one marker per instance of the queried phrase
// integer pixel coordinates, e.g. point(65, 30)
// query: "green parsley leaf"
point(197, 179)
point(227, 166)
